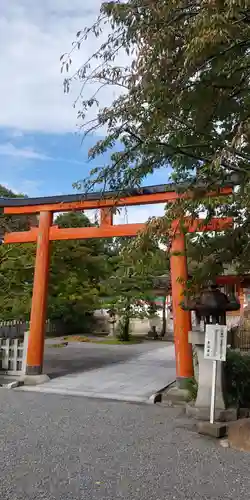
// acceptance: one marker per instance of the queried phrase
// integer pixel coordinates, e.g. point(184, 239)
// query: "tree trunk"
point(112, 329)
point(126, 329)
point(125, 324)
point(164, 319)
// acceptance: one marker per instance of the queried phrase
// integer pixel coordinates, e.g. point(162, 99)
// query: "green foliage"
point(191, 83)
point(7, 193)
point(76, 271)
point(237, 379)
point(132, 281)
point(117, 341)
point(16, 281)
point(191, 386)
point(13, 222)
point(16, 267)
point(77, 268)
point(184, 101)
point(81, 274)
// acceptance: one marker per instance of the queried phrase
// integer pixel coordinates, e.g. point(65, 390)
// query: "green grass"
point(76, 338)
point(105, 340)
point(192, 387)
point(57, 345)
point(111, 341)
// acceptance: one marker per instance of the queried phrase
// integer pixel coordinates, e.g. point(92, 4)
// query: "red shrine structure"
point(106, 204)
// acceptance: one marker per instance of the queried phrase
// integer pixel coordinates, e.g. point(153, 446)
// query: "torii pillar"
point(35, 352)
point(182, 319)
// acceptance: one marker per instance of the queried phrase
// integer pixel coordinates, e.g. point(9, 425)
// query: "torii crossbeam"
point(106, 203)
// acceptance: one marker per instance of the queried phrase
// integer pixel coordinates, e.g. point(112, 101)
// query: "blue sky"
point(41, 152)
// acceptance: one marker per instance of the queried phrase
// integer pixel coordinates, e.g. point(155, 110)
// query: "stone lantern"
point(112, 319)
point(210, 308)
point(212, 305)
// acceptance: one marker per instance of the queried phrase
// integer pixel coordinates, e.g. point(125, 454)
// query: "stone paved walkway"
point(133, 380)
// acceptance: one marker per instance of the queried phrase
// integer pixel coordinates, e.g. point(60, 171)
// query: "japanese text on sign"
point(215, 342)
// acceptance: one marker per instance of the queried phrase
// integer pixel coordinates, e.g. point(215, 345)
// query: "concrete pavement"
point(82, 356)
point(66, 448)
point(140, 373)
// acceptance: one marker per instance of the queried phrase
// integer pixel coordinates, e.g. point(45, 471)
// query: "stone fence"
point(16, 329)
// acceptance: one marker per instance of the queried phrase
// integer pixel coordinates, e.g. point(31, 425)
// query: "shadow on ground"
point(77, 358)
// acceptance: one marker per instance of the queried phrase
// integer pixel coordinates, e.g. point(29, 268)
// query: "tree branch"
point(181, 150)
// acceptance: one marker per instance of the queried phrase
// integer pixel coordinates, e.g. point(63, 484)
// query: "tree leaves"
point(76, 270)
point(132, 279)
point(185, 103)
point(187, 86)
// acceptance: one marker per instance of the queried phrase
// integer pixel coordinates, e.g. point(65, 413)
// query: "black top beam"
point(46, 200)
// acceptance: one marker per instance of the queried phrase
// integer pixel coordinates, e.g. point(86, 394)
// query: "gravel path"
point(66, 448)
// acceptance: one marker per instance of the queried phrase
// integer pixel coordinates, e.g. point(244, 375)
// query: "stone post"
point(201, 407)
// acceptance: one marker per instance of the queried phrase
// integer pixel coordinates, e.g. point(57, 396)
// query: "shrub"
point(237, 379)
point(191, 386)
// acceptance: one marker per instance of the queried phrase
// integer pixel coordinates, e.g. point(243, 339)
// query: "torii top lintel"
point(103, 202)
point(147, 195)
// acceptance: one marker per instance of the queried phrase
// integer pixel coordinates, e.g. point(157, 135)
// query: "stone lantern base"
point(201, 408)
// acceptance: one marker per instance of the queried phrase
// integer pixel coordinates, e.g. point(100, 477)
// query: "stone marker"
point(176, 395)
point(217, 429)
point(201, 413)
point(239, 434)
point(244, 413)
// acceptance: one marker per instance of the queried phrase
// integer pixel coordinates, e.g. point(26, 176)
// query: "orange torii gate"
point(46, 232)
